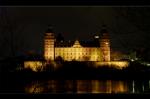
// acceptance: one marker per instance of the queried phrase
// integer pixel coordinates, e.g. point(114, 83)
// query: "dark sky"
point(128, 26)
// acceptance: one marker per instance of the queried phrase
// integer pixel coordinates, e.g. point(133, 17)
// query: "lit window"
point(96, 37)
point(106, 43)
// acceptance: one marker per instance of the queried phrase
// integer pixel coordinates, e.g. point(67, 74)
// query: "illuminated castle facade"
point(97, 49)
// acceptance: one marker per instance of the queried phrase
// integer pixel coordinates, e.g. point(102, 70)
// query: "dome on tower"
point(104, 32)
point(50, 29)
point(104, 29)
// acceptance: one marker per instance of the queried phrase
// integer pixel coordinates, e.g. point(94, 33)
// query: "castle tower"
point(105, 44)
point(49, 44)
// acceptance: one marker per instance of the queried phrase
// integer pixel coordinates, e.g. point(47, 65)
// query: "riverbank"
point(81, 70)
point(73, 74)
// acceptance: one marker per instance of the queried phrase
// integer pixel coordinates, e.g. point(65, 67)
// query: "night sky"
point(128, 26)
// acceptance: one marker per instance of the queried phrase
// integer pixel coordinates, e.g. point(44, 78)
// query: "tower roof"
point(77, 43)
point(104, 32)
point(104, 29)
point(50, 29)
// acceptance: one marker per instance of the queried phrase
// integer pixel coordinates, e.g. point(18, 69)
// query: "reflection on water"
point(88, 86)
point(109, 86)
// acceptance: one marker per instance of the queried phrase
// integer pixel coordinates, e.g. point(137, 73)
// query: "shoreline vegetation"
point(81, 70)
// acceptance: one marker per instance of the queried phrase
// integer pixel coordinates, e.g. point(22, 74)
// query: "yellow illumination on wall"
point(76, 51)
point(95, 54)
point(49, 46)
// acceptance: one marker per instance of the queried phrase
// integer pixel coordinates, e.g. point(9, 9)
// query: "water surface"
point(88, 86)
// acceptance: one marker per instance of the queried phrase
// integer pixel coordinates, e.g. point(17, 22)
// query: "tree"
point(10, 27)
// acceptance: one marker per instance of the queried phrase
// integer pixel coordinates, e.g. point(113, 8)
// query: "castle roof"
point(64, 44)
point(90, 43)
point(78, 43)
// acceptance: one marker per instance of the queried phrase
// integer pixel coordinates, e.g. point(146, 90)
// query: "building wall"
point(49, 46)
point(105, 47)
point(79, 53)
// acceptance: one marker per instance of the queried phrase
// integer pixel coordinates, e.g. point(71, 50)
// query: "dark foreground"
point(78, 78)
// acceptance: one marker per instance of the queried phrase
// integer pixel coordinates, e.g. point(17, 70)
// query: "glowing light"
point(133, 87)
point(97, 37)
point(143, 88)
point(49, 46)
point(117, 64)
point(106, 43)
point(34, 65)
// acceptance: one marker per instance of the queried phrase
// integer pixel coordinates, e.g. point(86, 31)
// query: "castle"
point(97, 49)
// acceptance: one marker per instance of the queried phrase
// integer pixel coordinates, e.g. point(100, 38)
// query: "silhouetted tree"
point(59, 59)
point(10, 26)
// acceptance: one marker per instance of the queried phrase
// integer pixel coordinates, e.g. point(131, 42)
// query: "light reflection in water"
point(35, 87)
point(77, 86)
point(133, 89)
point(149, 83)
point(109, 86)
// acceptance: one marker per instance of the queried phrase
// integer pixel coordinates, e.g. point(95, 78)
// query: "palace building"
point(97, 49)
